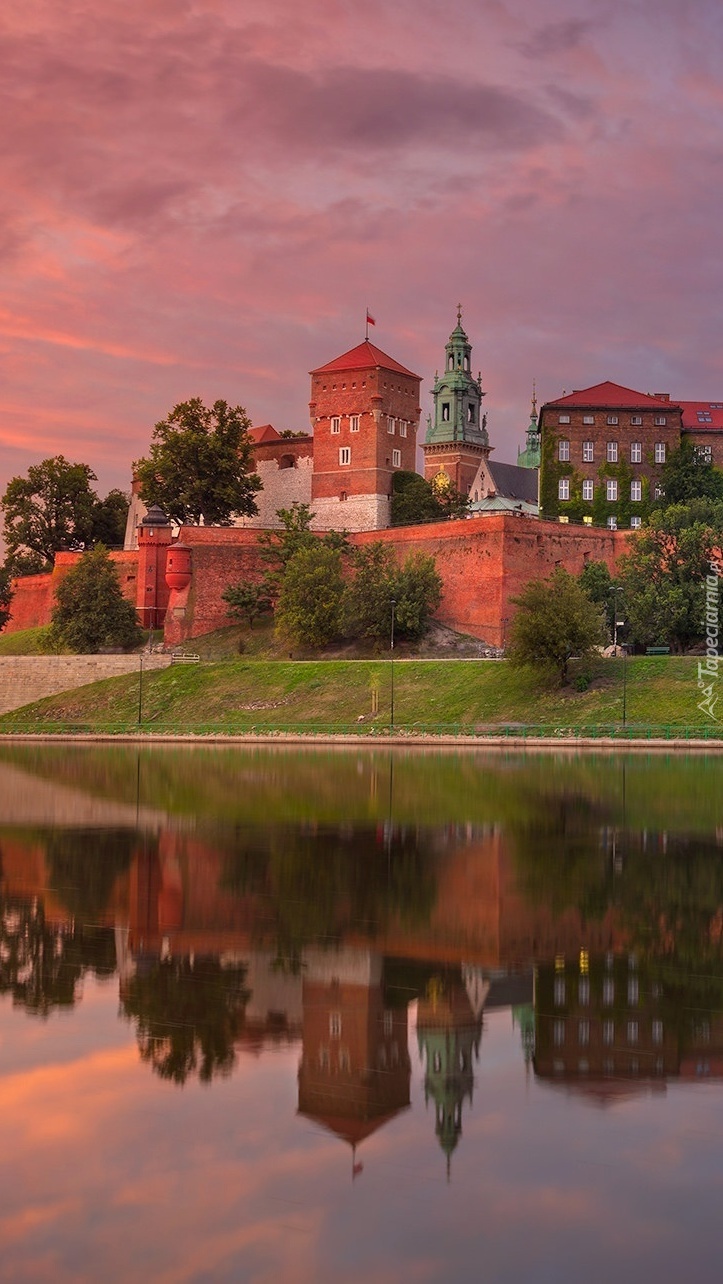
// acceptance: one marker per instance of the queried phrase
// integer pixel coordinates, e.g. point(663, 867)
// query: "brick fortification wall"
point(484, 563)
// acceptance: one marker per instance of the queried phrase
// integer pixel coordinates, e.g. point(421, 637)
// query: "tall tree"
point(109, 519)
point(90, 612)
point(663, 576)
point(200, 462)
point(49, 511)
point(686, 477)
point(309, 609)
point(415, 500)
point(555, 621)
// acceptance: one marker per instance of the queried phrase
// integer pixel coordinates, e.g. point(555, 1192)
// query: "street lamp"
point(616, 589)
point(391, 666)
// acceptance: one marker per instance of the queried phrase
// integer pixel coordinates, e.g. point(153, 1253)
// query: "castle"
point(365, 413)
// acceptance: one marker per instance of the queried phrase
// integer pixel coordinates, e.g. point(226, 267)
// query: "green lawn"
point(241, 695)
point(25, 642)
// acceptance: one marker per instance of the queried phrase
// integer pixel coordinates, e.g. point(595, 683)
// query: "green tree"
point(90, 612)
point(247, 601)
point(687, 477)
point(418, 593)
point(49, 511)
point(663, 576)
point(199, 465)
point(309, 609)
point(6, 596)
point(378, 580)
point(555, 621)
point(109, 519)
point(597, 582)
point(415, 500)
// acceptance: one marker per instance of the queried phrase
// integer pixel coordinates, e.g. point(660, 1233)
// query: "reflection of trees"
point(187, 1013)
point(561, 860)
point(83, 865)
point(42, 964)
point(321, 884)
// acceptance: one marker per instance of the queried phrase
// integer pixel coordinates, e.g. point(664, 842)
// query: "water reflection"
point(376, 950)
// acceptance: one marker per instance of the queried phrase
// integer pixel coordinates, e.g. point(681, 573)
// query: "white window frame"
point(588, 419)
point(635, 522)
point(660, 421)
point(353, 423)
point(612, 452)
point(636, 491)
point(636, 452)
point(402, 427)
point(588, 489)
point(588, 452)
point(396, 459)
point(636, 421)
point(391, 425)
point(704, 454)
point(563, 419)
point(335, 1025)
point(336, 423)
point(563, 450)
point(344, 455)
point(613, 421)
point(563, 488)
point(612, 523)
point(611, 490)
point(659, 452)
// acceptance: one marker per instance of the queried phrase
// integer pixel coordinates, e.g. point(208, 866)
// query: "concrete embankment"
point(25, 678)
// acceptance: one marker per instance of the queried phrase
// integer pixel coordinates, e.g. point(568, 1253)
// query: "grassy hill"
point(339, 695)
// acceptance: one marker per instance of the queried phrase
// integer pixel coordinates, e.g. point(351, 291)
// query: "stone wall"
point(25, 678)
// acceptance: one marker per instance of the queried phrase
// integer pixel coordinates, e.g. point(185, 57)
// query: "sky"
point(202, 197)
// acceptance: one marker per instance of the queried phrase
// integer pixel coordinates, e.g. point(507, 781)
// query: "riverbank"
point(645, 699)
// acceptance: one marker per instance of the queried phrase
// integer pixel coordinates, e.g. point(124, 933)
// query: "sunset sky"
point(201, 197)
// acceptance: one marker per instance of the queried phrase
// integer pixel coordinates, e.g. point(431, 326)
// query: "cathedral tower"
point(457, 438)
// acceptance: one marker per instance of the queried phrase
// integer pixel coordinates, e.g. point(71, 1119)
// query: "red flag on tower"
point(370, 318)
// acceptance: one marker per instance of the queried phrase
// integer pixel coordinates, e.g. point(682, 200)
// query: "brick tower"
point(365, 412)
point(457, 439)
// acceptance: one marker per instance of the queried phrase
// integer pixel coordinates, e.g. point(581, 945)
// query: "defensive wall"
point(484, 563)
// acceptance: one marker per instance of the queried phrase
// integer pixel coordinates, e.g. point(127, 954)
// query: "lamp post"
point(140, 688)
point(615, 590)
point(391, 667)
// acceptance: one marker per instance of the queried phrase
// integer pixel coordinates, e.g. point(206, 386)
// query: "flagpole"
point(366, 335)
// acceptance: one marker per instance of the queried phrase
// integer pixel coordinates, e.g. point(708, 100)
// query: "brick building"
point(364, 412)
point(603, 450)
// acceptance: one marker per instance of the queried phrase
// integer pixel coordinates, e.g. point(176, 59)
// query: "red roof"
point(364, 357)
point(613, 394)
point(702, 416)
point(266, 432)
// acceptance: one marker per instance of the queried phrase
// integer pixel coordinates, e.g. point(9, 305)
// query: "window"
point(660, 421)
point(402, 427)
point(636, 491)
point(633, 990)
point(396, 459)
point(445, 412)
point(612, 452)
point(608, 991)
point(703, 417)
point(583, 992)
point(353, 423)
point(588, 419)
point(558, 1033)
point(563, 451)
point(632, 1032)
point(335, 423)
point(612, 420)
point(563, 488)
point(471, 414)
point(391, 425)
point(608, 1033)
point(345, 455)
point(636, 523)
point(563, 419)
point(335, 1025)
point(658, 492)
point(660, 452)
point(636, 421)
point(588, 452)
point(704, 454)
point(587, 490)
point(611, 487)
point(583, 1033)
point(636, 452)
point(343, 496)
point(344, 1060)
point(612, 523)
point(559, 991)
point(388, 1023)
point(657, 1031)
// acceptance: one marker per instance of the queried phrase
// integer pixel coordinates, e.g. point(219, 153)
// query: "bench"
point(657, 650)
point(184, 659)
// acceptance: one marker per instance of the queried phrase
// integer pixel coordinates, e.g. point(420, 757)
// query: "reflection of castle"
point(355, 1071)
point(449, 1027)
point(606, 1027)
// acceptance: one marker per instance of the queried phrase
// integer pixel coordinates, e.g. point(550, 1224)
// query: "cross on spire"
point(459, 314)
